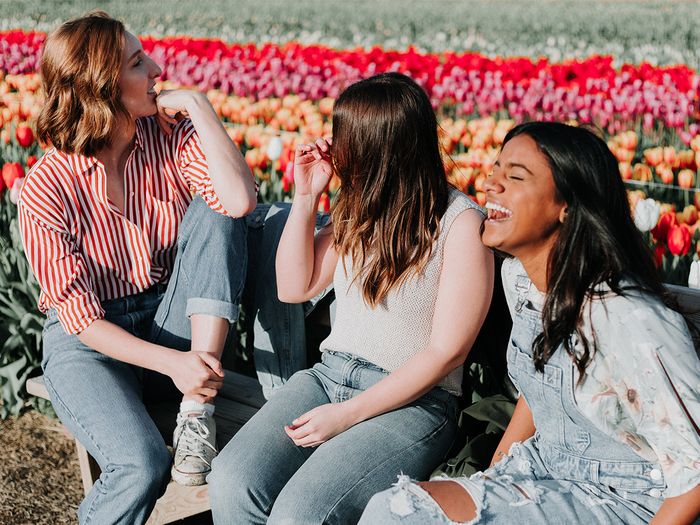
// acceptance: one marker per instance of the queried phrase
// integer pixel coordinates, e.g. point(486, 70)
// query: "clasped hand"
point(319, 425)
point(198, 375)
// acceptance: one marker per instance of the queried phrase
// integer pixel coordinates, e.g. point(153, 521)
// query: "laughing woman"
point(606, 427)
point(115, 240)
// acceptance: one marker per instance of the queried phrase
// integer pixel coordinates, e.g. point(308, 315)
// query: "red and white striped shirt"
point(82, 249)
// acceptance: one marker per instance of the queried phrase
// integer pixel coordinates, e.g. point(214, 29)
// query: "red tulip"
point(31, 160)
point(324, 205)
point(12, 171)
point(666, 221)
point(24, 135)
point(679, 240)
point(659, 251)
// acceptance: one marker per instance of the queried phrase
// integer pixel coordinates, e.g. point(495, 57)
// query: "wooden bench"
point(238, 400)
point(241, 397)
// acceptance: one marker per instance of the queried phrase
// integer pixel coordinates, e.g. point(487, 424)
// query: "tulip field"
point(274, 93)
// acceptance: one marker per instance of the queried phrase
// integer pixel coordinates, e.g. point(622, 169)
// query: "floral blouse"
point(642, 386)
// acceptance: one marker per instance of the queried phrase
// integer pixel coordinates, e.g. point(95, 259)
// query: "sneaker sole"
point(189, 479)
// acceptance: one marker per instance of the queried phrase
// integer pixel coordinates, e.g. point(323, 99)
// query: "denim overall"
point(568, 472)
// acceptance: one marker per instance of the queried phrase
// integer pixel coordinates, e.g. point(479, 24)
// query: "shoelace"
point(193, 437)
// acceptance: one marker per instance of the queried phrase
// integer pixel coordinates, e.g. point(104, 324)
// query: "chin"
point(492, 237)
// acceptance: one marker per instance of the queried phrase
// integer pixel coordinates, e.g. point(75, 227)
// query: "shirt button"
point(655, 493)
point(655, 474)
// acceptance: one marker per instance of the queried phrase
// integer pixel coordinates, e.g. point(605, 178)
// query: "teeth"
point(497, 207)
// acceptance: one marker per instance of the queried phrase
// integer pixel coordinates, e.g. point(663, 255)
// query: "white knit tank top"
point(399, 327)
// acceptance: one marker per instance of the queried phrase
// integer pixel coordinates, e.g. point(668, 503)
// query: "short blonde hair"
point(80, 80)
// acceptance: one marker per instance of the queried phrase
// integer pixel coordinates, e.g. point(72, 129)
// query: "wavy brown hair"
point(80, 79)
point(393, 189)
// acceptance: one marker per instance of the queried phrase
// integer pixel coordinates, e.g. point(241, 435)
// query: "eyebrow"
point(515, 165)
point(134, 55)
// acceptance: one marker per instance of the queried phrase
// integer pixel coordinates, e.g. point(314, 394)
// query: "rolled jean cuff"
point(203, 306)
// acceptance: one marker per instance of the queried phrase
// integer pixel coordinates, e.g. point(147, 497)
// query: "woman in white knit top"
point(413, 284)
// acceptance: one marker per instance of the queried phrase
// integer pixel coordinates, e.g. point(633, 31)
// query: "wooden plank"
point(89, 469)
point(243, 389)
point(36, 387)
point(230, 416)
point(689, 300)
point(179, 502)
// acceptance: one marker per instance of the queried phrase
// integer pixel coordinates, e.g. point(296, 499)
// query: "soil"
point(39, 473)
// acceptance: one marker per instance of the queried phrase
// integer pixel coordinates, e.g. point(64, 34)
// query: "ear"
point(563, 213)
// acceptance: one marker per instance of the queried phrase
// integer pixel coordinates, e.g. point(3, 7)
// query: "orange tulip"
point(686, 178)
point(665, 173)
point(625, 170)
point(641, 172)
point(654, 156)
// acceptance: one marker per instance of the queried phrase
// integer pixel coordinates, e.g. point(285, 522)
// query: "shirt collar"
point(84, 164)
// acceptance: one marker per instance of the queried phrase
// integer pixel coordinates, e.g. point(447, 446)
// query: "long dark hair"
point(597, 243)
point(393, 189)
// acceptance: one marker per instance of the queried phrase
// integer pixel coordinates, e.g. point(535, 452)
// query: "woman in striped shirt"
point(116, 242)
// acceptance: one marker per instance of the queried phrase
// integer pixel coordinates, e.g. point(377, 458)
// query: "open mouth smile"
point(497, 213)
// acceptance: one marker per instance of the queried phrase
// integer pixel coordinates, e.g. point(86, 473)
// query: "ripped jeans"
point(568, 472)
point(518, 489)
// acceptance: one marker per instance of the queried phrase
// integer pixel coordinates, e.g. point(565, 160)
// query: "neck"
point(536, 262)
point(121, 143)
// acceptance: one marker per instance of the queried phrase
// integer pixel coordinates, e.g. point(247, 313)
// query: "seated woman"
point(116, 242)
point(412, 282)
point(606, 427)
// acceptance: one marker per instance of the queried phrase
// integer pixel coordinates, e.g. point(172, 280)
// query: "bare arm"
point(520, 428)
point(679, 510)
point(455, 326)
point(196, 374)
point(304, 264)
point(230, 176)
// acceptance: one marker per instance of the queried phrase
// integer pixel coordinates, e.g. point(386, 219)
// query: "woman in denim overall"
point(606, 427)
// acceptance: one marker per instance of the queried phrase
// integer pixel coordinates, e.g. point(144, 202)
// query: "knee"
point(227, 480)
point(148, 471)
point(209, 222)
point(376, 509)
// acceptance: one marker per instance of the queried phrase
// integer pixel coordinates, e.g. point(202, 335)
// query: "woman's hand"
point(312, 168)
point(174, 105)
point(198, 375)
point(319, 425)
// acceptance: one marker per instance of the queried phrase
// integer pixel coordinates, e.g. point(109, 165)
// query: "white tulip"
point(694, 276)
point(646, 214)
point(14, 191)
point(274, 148)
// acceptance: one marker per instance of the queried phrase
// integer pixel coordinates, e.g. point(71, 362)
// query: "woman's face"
point(137, 79)
point(524, 212)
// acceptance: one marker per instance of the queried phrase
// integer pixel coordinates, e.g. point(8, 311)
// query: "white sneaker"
point(194, 441)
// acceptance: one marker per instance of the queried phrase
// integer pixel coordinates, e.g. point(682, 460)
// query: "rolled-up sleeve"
point(658, 381)
point(193, 165)
point(60, 271)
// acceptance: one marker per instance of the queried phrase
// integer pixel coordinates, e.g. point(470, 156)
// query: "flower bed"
point(271, 98)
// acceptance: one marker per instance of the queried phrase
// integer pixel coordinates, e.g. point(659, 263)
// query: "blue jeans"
point(279, 332)
point(261, 476)
point(100, 399)
point(570, 471)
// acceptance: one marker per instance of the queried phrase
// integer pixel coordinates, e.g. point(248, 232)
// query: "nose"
point(493, 183)
point(156, 71)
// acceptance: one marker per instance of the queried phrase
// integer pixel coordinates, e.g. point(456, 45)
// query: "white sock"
point(194, 406)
